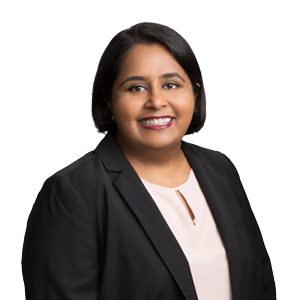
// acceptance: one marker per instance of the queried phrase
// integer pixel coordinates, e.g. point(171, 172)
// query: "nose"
point(156, 100)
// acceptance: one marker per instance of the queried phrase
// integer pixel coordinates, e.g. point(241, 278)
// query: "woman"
point(146, 215)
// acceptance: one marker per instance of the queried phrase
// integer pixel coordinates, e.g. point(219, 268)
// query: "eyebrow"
point(174, 74)
point(167, 75)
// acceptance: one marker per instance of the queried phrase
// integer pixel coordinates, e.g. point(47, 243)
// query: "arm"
point(270, 290)
point(60, 251)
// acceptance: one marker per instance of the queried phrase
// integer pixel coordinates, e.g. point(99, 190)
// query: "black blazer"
point(95, 233)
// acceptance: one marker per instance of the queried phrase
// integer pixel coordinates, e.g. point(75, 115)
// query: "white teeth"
point(156, 122)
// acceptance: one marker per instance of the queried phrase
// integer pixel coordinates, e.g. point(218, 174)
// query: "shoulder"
point(215, 159)
point(82, 172)
point(79, 188)
point(84, 162)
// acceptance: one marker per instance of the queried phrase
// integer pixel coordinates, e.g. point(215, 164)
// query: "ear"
point(198, 84)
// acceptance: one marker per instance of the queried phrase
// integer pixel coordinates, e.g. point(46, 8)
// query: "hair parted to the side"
point(111, 63)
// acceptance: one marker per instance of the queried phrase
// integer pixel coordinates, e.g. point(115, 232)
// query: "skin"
point(155, 155)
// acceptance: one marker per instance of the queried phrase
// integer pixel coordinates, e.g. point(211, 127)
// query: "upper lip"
point(155, 117)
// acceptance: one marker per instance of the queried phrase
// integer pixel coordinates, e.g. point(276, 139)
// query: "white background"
point(248, 52)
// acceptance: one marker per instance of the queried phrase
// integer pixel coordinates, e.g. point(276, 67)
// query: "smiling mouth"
point(156, 121)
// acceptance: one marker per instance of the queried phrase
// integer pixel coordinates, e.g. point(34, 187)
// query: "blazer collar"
point(110, 154)
point(132, 189)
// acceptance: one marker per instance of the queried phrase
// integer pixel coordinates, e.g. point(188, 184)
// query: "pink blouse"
point(198, 238)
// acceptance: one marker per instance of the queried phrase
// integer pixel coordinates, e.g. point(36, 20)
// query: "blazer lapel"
point(214, 197)
point(133, 191)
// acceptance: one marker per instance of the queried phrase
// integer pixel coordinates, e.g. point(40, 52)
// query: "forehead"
point(149, 60)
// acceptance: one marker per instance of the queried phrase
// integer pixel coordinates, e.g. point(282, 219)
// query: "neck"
point(139, 154)
point(164, 165)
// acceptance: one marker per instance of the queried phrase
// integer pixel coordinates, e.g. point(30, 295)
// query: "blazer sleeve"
point(270, 290)
point(60, 251)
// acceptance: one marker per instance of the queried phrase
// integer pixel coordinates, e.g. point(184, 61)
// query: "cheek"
point(126, 111)
point(185, 107)
point(122, 108)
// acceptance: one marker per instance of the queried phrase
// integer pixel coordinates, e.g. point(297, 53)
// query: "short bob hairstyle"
point(111, 63)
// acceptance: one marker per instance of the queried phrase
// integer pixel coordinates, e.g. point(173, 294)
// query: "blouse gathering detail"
point(199, 238)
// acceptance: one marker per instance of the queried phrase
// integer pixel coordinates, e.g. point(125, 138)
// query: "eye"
point(171, 86)
point(137, 88)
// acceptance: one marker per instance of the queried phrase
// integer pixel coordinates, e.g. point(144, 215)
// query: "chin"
point(160, 143)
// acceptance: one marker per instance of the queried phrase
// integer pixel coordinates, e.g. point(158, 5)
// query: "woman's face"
point(152, 100)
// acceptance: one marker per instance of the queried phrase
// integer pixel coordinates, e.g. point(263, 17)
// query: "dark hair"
point(111, 63)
